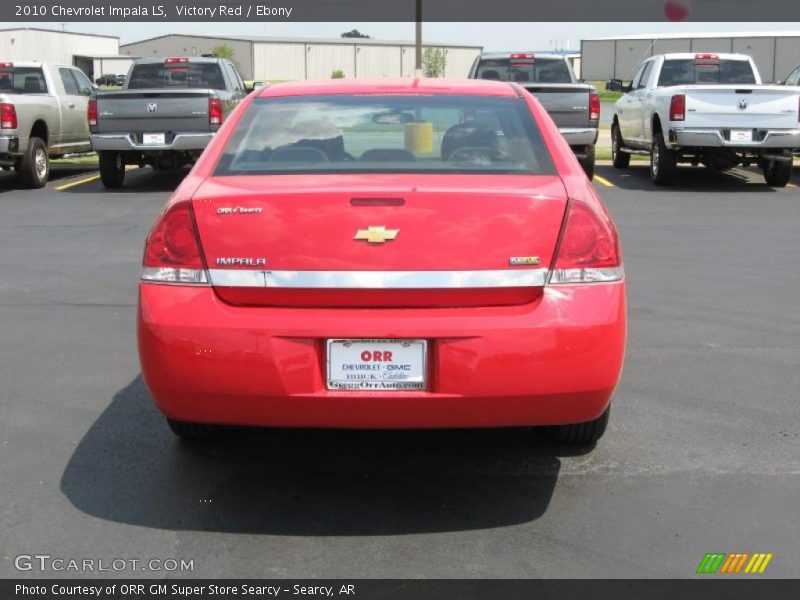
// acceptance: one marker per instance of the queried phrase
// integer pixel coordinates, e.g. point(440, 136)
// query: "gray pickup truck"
point(573, 106)
point(42, 116)
point(165, 114)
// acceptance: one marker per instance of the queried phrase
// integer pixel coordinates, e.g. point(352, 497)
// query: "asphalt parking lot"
point(702, 452)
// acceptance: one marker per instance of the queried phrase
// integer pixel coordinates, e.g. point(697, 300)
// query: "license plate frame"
point(416, 377)
point(154, 139)
point(741, 136)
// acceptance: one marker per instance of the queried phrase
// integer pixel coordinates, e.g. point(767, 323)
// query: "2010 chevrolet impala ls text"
point(384, 254)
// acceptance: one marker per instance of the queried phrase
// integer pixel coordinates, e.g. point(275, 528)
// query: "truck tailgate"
point(566, 103)
point(153, 111)
point(741, 106)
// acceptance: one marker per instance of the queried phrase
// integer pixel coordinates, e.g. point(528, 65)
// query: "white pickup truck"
point(709, 109)
point(42, 116)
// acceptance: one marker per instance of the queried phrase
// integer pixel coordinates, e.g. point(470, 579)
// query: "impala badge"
point(152, 107)
point(376, 235)
point(742, 104)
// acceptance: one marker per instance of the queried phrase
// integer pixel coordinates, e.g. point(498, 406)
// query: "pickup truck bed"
point(573, 106)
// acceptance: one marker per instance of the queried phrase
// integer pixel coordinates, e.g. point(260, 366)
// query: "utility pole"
point(418, 42)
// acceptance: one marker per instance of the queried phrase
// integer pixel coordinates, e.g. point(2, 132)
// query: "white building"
point(272, 58)
point(94, 54)
point(775, 53)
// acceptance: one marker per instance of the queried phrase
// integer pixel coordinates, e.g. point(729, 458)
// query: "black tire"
point(195, 432)
point(777, 173)
point(619, 158)
point(112, 169)
point(587, 162)
point(34, 167)
point(662, 162)
point(581, 433)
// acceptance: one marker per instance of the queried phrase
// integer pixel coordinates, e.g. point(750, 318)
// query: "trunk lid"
point(153, 111)
point(293, 227)
point(567, 104)
point(765, 107)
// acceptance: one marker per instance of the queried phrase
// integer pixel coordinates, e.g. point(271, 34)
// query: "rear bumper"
point(554, 361)
point(579, 136)
point(126, 142)
point(9, 144)
point(718, 138)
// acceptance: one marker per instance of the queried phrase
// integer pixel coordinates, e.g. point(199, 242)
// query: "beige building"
point(272, 58)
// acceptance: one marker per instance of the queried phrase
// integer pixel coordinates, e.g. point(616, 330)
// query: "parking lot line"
point(72, 184)
point(604, 181)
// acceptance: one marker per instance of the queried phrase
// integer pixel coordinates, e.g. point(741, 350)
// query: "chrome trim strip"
point(378, 279)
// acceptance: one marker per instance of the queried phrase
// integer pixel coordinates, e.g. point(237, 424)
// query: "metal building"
point(273, 59)
point(775, 53)
point(88, 52)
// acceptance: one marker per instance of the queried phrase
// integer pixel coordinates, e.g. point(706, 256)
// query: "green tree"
point(433, 62)
point(224, 51)
point(337, 74)
point(355, 33)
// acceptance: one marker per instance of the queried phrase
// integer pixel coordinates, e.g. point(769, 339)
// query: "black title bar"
point(400, 10)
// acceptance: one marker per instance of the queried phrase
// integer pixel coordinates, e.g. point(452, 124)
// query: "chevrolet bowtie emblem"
point(376, 235)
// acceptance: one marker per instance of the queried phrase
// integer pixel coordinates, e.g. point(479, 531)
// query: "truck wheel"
point(619, 157)
point(34, 168)
point(194, 432)
point(777, 173)
point(587, 162)
point(112, 169)
point(581, 433)
point(662, 162)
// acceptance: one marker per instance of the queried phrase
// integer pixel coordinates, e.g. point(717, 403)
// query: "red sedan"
point(384, 254)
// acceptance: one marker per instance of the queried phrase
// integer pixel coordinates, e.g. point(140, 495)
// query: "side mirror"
point(257, 85)
point(87, 91)
point(779, 82)
point(614, 85)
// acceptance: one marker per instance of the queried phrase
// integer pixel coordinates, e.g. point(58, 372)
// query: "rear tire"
point(34, 168)
point(112, 169)
point(619, 157)
point(587, 162)
point(777, 173)
point(581, 433)
point(662, 162)
point(194, 432)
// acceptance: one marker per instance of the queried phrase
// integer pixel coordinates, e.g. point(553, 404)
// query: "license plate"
point(741, 136)
point(377, 364)
point(153, 139)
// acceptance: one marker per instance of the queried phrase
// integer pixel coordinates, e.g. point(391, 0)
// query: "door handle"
point(71, 104)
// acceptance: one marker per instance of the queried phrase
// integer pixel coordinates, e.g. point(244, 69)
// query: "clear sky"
point(492, 36)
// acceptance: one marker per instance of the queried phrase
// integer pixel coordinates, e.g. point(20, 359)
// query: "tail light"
point(588, 249)
point(91, 112)
point(594, 107)
point(176, 60)
point(677, 108)
point(214, 111)
point(706, 56)
point(172, 252)
point(8, 116)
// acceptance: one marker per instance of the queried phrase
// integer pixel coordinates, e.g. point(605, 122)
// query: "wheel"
point(587, 162)
point(34, 167)
point(581, 433)
point(777, 173)
point(619, 158)
point(662, 162)
point(194, 432)
point(112, 169)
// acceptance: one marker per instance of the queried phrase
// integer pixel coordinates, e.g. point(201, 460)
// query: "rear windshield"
point(22, 80)
point(386, 134)
point(186, 75)
point(690, 71)
point(540, 70)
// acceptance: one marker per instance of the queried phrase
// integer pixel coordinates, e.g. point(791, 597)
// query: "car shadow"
point(129, 468)
point(137, 181)
point(688, 179)
point(9, 182)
